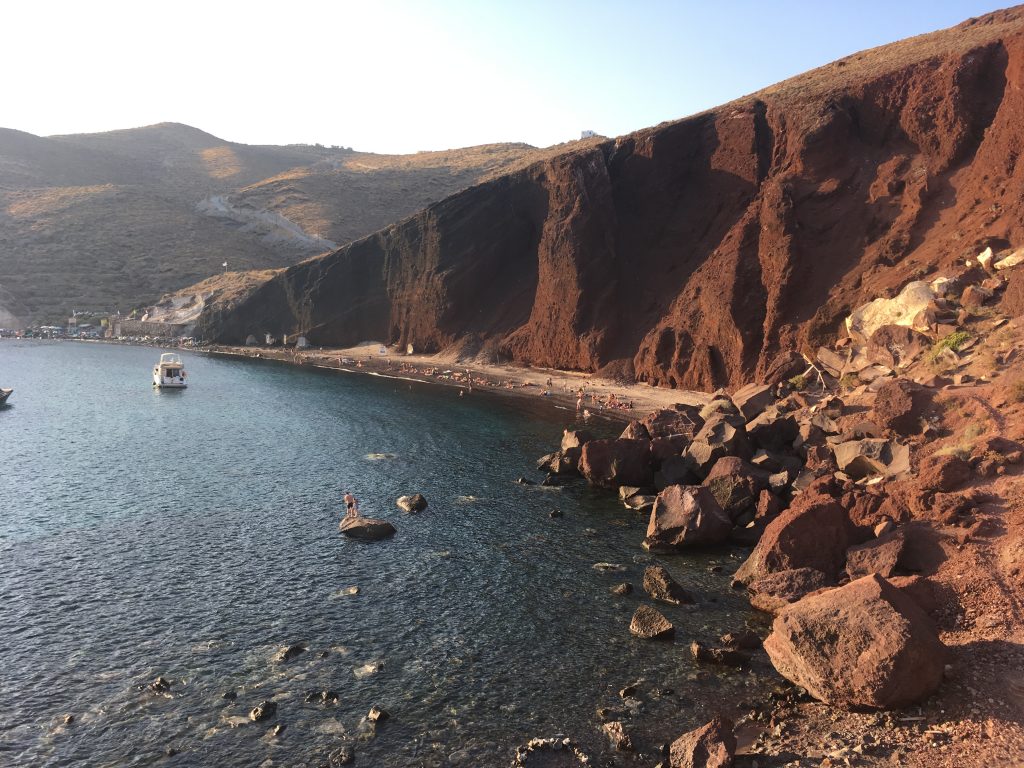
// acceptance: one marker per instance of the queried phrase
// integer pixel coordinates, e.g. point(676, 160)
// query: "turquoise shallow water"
point(191, 534)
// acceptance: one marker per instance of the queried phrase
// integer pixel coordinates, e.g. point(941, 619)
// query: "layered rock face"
point(703, 252)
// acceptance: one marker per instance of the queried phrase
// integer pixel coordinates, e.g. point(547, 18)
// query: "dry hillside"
point(95, 221)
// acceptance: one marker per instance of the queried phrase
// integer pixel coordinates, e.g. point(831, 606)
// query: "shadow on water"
point(192, 536)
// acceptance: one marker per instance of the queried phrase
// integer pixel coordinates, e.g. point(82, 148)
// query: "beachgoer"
point(351, 504)
point(579, 403)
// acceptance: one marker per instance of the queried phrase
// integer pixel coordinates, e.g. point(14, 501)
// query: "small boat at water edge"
point(4, 394)
point(169, 373)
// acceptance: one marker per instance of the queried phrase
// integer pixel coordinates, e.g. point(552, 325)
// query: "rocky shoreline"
point(880, 493)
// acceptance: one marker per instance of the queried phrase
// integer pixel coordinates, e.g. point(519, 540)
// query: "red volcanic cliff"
point(704, 251)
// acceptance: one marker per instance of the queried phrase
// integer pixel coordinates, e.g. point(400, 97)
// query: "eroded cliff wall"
point(704, 252)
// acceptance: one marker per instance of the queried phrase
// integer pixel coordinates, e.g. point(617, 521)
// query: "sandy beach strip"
point(609, 399)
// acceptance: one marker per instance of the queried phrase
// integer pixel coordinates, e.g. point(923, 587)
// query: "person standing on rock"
point(351, 504)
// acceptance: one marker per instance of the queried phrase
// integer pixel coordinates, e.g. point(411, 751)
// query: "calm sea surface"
point(193, 534)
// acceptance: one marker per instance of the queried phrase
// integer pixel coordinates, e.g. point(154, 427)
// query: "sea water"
point(192, 534)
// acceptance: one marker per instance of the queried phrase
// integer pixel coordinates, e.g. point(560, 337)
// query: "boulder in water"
point(263, 711)
point(366, 528)
point(650, 624)
point(413, 503)
point(660, 585)
point(686, 516)
point(288, 653)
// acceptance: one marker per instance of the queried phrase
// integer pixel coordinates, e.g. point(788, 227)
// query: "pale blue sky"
point(401, 76)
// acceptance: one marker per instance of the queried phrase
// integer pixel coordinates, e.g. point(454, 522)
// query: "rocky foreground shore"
point(879, 490)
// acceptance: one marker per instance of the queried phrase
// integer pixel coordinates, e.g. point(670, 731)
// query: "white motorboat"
point(169, 373)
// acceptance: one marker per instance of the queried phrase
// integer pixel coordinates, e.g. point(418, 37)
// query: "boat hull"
point(4, 394)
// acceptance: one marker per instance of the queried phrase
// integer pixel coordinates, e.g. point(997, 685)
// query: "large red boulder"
point(864, 645)
point(775, 591)
point(710, 746)
point(943, 473)
point(575, 438)
point(900, 405)
point(896, 346)
point(686, 516)
point(684, 420)
point(813, 533)
point(736, 485)
point(611, 463)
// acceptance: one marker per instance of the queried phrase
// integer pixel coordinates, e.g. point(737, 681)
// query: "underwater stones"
point(160, 685)
point(660, 585)
point(558, 752)
point(651, 624)
point(288, 653)
point(343, 755)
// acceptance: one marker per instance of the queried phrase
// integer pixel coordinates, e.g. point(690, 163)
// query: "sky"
point(404, 76)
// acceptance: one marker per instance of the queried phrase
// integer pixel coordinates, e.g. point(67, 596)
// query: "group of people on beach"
point(609, 402)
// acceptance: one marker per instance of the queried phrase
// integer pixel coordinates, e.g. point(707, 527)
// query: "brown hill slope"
point(706, 250)
point(98, 220)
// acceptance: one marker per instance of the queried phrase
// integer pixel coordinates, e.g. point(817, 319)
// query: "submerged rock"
point(660, 585)
point(343, 755)
point(366, 528)
point(650, 624)
point(160, 685)
point(729, 656)
point(558, 752)
point(366, 670)
point(288, 653)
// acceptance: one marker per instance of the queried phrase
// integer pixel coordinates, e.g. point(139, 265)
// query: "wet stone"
point(650, 624)
point(288, 653)
point(343, 755)
point(263, 711)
